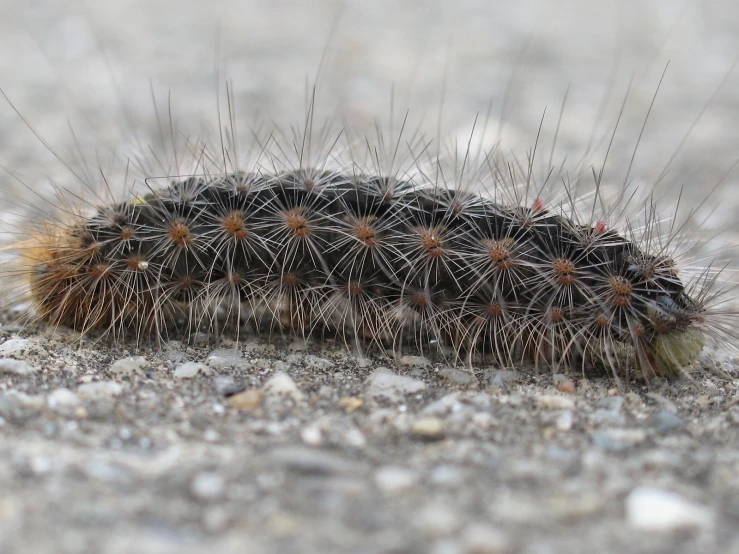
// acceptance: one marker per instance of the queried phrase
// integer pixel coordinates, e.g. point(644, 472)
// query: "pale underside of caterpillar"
point(378, 261)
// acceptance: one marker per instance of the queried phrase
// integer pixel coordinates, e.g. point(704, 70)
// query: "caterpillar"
point(387, 260)
point(388, 244)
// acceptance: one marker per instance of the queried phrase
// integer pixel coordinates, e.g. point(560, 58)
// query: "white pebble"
point(554, 402)
point(394, 480)
point(63, 398)
point(565, 421)
point(19, 348)
point(311, 435)
point(190, 369)
point(211, 435)
point(391, 387)
point(207, 486)
point(99, 389)
point(484, 421)
point(128, 366)
point(281, 384)
point(226, 357)
point(444, 406)
point(447, 476)
point(651, 509)
point(619, 439)
point(41, 465)
point(17, 367)
point(354, 437)
point(458, 376)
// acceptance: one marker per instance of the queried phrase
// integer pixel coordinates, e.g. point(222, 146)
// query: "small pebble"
point(610, 403)
point(567, 386)
point(19, 348)
point(211, 435)
point(447, 404)
point(128, 366)
point(226, 357)
point(457, 376)
point(393, 388)
point(190, 369)
point(554, 402)
point(311, 461)
point(447, 475)
point(99, 389)
point(17, 367)
point(665, 421)
point(500, 377)
point(281, 384)
point(430, 428)
point(311, 435)
point(207, 486)
point(395, 480)
point(703, 401)
point(350, 403)
point(247, 401)
point(656, 510)
point(616, 440)
point(484, 421)
point(355, 438)
point(63, 398)
point(565, 420)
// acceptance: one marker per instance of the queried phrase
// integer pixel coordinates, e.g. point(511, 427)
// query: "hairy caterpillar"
point(386, 259)
point(394, 245)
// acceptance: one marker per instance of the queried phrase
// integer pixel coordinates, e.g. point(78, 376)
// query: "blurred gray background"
point(91, 67)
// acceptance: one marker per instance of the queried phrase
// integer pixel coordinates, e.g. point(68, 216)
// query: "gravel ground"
point(295, 447)
point(303, 448)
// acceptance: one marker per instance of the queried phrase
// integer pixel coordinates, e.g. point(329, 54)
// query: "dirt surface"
point(295, 447)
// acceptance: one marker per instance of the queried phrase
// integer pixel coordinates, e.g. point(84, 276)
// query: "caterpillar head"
point(678, 339)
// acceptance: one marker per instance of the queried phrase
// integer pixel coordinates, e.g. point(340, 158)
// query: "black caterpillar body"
point(376, 260)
